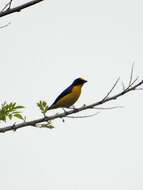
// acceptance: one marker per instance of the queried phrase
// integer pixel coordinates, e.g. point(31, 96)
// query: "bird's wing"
point(64, 93)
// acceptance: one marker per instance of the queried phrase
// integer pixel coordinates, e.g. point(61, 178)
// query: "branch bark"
point(67, 113)
point(10, 10)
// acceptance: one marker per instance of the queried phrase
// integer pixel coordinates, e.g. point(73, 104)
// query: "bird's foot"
point(73, 108)
point(64, 111)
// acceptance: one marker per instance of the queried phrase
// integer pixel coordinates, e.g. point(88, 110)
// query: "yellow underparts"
point(69, 99)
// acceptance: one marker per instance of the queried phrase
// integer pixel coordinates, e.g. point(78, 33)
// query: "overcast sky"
point(44, 49)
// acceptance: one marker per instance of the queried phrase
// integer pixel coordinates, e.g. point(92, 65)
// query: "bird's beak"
point(84, 81)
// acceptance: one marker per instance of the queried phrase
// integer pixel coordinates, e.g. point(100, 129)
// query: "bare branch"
point(139, 89)
point(10, 2)
point(6, 25)
point(7, 6)
point(112, 89)
point(108, 108)
point(8, 10)
point(123, 86)
point(83, 116)
point(131, 75)
point(133, 82)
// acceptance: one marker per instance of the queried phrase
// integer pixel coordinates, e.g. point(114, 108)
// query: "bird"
point(70, 95)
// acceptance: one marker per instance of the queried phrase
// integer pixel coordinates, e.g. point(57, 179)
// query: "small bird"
point(69, 96)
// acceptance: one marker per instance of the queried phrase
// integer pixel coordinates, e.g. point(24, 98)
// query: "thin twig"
point(123, 86)
point(10, 4)
point(7, 6)
point(111, 89)
point(8, 10)
point(139, 89)
point(4, 8)
point(83, 116)
point(108, 108)
point(133, 82)
point(131, 75)
point(6, 25)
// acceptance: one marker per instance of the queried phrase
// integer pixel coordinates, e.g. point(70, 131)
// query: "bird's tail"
point(51, 107)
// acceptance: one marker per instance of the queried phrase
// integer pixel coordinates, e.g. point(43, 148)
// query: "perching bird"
point(69, 96)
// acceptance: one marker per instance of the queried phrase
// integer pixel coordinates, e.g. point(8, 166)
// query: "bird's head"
point(79, 81)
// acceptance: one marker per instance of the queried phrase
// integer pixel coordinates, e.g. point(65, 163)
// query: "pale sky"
point(44, 49)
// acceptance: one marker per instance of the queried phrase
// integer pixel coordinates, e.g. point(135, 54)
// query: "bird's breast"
point(76, 90)
point(70, 98)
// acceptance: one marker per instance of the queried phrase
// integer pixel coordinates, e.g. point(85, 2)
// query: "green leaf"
point(18, 116)
point(42, 106)
point(2, 117)
point(10, 116)
point(19, 107)
point(50, 126)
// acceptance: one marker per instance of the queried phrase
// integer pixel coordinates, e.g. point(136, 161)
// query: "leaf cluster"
point(10, 110)
point(48, 125)
point(43, 106)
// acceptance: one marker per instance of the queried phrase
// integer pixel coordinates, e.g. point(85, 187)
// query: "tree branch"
point(8, 10)
point(7, 6)
point(111, 89)
point(5, 25)
point(67, 113)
